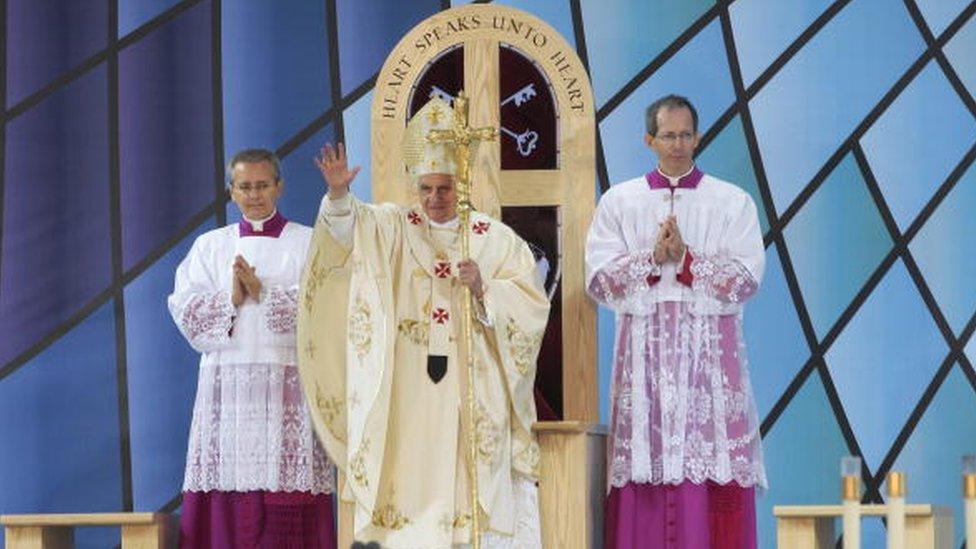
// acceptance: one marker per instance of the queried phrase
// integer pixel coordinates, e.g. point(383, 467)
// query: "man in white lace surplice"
point(675, 254)
point(256, 475)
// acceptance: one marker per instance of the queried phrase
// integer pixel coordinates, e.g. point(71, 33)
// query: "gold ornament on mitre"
point(421, 156)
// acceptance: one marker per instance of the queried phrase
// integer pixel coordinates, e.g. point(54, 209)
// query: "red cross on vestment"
point(414, 218)
point(441, 316)
point(481, 227)
point(442, 269)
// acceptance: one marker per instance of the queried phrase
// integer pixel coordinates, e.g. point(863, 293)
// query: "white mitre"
point(420, 155)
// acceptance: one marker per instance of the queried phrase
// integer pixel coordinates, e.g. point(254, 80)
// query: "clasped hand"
point(246, 282)
point(669, 245)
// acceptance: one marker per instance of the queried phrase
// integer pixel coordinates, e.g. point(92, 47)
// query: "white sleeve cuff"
point(337, 214)
point(482, 310)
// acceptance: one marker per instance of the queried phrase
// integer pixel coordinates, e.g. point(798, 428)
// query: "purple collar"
point(272, 227)
point(657, 180)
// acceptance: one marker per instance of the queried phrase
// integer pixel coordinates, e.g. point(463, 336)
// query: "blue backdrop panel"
point(275, 67)
point(931, 458)
point(304, 185)
point(775, 346)
point(162, 381)
point(810, 107)
point(165, 131)
point(939, 13)
point(836, 241)
point(61, 428)
point(873, 533)
point(802, 452)
point(959, 52)
point(764, 28)
point(556, 14)
point(727, 157)
point(883, 361)
point(135, 13)
point(623, 36)
point(369, 29)
point(700, 71)
point(56, 232)
point(355, 122)
point(48, 37)
point(946, 253)
point(898, 140)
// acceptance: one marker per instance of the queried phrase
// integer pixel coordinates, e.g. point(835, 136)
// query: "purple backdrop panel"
point(165, 132)
point(56, 236)
point(46, 38)
point(275, 66)
point(369, 29)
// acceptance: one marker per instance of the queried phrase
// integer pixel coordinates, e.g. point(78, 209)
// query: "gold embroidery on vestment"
point(332, 409)
point(389, 517)
point(415, 331)
point(361, 328)
point(523, 346)
point(357, 465)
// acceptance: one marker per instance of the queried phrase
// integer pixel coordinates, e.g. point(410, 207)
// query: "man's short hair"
point(668, 102)
point(254, 156)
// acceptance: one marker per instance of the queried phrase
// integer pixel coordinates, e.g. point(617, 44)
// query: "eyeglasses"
point(259, 187)
point(670, 138)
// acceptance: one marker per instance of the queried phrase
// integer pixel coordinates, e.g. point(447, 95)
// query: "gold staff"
point(464, 139)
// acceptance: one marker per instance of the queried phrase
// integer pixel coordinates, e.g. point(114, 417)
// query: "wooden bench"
point(812, 526)
point(56, 531)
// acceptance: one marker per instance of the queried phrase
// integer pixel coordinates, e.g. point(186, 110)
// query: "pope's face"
point(254, 189)
point(676, 140)
point(438, 196)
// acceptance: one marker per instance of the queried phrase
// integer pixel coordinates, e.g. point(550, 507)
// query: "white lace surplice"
point(682, 406)
point(250, 429)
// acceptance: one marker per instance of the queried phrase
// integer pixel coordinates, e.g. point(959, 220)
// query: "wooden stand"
point(812, 526)
point(56, 531)
point(572, 483)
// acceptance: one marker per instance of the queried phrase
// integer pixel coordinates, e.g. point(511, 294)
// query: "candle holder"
point(896, 510)
point(850, 473)
point(969, 497)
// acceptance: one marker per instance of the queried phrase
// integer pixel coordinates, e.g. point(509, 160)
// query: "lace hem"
point(747, 475)
point(281, 309)
point(681, 404)
point(724, 279)
point(208, 317)
point(251, 430)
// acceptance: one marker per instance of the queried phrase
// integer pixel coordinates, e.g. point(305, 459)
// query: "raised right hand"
point(335, 169)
